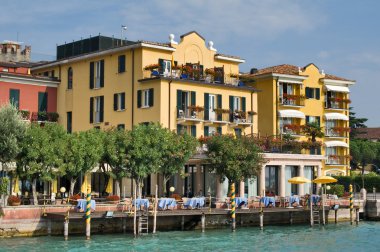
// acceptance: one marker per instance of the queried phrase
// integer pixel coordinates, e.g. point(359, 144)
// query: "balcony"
point(218, 116)
point(337, 160)
point(241, 119)
point(292, 129)
point(337, 132)
point(337, 103)
point(44, 117)
point(190, 115)
point(292, 100)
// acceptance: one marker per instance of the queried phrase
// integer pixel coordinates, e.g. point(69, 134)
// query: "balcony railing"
point(292, 129)
point(292, 100)
point(44, 117)
point(337, 160)
point(336, 132)
point(219, 116)
point(190, 114)
point(335, 103)
point(241, 118)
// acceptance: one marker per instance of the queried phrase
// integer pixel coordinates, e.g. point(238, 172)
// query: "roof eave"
point(219, 57)
point(338, 82)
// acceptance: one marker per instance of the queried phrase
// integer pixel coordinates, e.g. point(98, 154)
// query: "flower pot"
point(73, 202)
point(15, 203)
point(112, 202)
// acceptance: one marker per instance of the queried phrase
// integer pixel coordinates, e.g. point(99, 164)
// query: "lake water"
point(333, 237)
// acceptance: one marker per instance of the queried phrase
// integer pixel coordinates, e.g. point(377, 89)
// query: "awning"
point(291, 113)
point(336, 144)
point(336, 116)
point(341, 89)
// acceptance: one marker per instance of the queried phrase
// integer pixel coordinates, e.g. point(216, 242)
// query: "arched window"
point(70, 78)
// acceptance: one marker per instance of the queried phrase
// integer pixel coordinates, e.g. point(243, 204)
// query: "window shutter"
point(243, 103)
point(219, 105)
point(42, 102)
point(101, 108)
point(151, 97)
point(307, 119)
point(193, 98)
point(121, 63)
point(205, 128)
point(161, 66)
point(102, 73)
point(201, 70)
point(237, 132)
point(91, 109)
point(91, 75)
point(193, 130)
point(14, 97)
point(179, 128)
point(179, 101)
point(176, 63)
point(317, 93)
point(122, 101)
point(319, 120)
point(115, 102)
point(219, 130)
point(206, 105)
point(139, 94)
point(231, 108)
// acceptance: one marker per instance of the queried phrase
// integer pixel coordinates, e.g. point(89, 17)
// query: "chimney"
point(253, 71)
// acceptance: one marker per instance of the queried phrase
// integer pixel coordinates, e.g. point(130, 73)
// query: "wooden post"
point(351, 206)
point(88, 213)
point(357, 216)
point(311, 210)
point(155, 211)
point(233, 207)
point(210, 204)
point(336, 215)
point(134, 211)
point(66, 226)
point(203, 220)
point(323, 205)
point(261, 219)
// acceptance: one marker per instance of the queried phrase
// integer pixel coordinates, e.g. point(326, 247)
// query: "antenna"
point(123, 28)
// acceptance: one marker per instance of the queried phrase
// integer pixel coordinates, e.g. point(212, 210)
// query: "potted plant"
point(42, 116)
point(25, 114)
point(151, 67)
point(14, 200)
point(52, 116)
point(196, 108)
point(73, 200)
point(113, 199)
point(210, 71)
point(234, 75)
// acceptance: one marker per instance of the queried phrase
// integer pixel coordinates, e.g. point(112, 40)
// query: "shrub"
point(13, 199)
point(336, 189)
point(113, 198)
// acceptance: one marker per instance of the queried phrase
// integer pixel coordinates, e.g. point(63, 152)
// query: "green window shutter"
point(121, 68)
point(102, 73)
point(92, 75)
point(193, 98)
point(193, 130)
point(179, 128)
point(201, 70)
point(42, 101)
point(179, 101)
point(151, 97)
point(219, 130)
point(161, 66)
point(319, 120)
point(237, 132)
point(91, 109)
point(69, 122)
point(205, 128)
point(14, 97)
point(231, 108)
point(101, 108)
point(219, 105)
point(207, 106)
point(307, 119)
point(243, 103)
point(317, 93)
point(122, 100)
point(139, 97)
point(114, 102)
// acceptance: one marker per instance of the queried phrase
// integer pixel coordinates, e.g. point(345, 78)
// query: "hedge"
point(370, 181)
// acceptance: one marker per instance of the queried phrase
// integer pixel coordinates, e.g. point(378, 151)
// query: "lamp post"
point(62, 190)
point(172, 189)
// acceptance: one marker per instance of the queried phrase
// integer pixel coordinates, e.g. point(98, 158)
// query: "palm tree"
point(313, 130)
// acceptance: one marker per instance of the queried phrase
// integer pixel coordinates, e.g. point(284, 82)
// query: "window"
point(97, 74)
point(165, 66)
point(121, 126)
point(119, 102)
point(236, 103)
point(97, 109)
point(42, 101)
point(313, 119)
point(121, 65)
point(69, 122)
point(238, 132)
point(145, 98)
point(313, 93)
point(70, 78)
point(14, 97)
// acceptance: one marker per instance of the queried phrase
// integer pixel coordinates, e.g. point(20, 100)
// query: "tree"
point(313, 130)
point(145, 151)
point(12, 131)
point(83, 153)
point(363, 153)
point(115, 150)
point(42, 151)
point(356, 123)
point(178, 150)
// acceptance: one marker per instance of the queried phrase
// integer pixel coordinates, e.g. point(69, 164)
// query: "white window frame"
point(119, 95)
point(237, 103)
point(167, 67)
point(97, 109)
point(145, 98)
point(97, 70)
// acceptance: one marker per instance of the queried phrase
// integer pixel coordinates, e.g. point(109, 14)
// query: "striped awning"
point(291, 113)
point(336, 144)
point(341, 89)
point(336, 116)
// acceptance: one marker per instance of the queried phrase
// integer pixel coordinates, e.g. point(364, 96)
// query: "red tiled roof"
point(155, 43)
point(368, 133)
point(333, 77)
point(280, 69)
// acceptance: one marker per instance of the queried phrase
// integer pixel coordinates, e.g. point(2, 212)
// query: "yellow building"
point(185, 85)
point(294, 96)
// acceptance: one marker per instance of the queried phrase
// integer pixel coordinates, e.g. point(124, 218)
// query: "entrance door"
point(212, 106)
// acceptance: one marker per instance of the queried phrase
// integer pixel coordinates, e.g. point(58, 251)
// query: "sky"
point(342, 37)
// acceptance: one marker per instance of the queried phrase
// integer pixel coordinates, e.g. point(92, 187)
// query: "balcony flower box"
point(113, 199)
point(14, 200)
point(151, 67)
point(196, 108)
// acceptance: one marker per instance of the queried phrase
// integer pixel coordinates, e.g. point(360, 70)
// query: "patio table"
point(141, 202)
point(268, 201)
point(240, 200)
point(164, 203)
point(294, 199)
point(82, 204)
point(195, 202)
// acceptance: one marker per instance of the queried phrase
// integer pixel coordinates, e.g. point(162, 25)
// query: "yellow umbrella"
point(298, 180)
point(54, 186)
point(324, 180)
point(109, 186)
point(83, 189)
point(16, 188)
